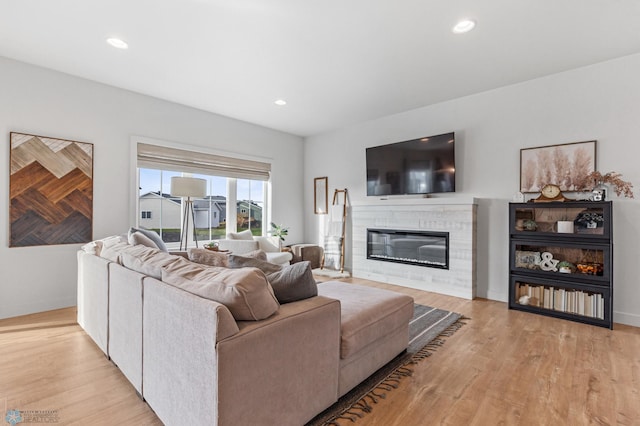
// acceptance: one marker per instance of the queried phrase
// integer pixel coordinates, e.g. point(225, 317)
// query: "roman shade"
point(180, 160)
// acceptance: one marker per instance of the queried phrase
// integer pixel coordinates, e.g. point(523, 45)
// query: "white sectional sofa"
point(194, 362)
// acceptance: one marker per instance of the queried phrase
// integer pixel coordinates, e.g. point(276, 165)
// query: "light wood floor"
point(502, 368)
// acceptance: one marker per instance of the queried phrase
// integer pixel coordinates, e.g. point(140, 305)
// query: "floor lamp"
point(188, 187)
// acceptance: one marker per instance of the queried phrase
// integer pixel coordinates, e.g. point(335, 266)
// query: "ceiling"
point(335, 62)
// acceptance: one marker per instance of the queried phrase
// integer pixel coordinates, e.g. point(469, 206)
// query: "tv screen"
point(418, 166)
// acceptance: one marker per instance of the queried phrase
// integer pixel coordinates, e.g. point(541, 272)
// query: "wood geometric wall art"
point(50, 191)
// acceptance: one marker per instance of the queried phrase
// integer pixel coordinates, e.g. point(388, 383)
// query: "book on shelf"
point(572, 301)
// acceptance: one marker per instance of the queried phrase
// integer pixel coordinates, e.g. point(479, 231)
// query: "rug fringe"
point(365, 404)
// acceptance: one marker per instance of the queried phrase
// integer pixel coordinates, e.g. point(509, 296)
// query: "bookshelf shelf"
point(567, 274)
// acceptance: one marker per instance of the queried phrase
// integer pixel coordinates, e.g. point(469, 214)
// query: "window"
point(235, 200)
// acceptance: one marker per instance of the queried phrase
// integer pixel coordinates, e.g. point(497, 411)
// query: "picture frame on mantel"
point(566, 165)
point(320, 195)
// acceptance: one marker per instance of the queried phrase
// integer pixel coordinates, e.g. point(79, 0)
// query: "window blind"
point(180, 160)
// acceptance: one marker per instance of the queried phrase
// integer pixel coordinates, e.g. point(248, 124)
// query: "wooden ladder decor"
point(328, 247)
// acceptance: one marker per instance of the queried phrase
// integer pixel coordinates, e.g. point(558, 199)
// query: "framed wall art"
point(320, 195)
point(566, 165)
point(50, 191)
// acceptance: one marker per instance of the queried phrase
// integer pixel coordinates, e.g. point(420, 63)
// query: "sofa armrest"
point(180, 367)
point(238, 246)
point(93, 297)
point(282, 370)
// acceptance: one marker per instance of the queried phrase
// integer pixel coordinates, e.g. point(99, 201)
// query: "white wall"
point(38, 101)
point(599, 102)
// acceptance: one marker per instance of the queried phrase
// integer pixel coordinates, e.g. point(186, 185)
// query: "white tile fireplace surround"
point(457, 216)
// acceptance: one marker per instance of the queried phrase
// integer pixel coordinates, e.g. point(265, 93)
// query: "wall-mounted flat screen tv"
point(419, 166)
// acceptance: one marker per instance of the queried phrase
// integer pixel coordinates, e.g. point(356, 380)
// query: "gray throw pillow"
point(151, 235)
point(289, 282)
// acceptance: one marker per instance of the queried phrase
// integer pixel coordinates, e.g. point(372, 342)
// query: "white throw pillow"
point(244, 235)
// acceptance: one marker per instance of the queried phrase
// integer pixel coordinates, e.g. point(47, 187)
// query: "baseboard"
point(626, 318)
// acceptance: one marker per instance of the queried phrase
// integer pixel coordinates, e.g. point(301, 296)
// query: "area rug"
point(427, 332)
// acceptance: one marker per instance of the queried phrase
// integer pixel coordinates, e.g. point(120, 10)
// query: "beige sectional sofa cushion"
point(245, 292)
point(367, 313)
point(146, 260)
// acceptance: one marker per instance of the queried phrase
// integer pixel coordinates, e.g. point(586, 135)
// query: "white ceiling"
point(336, 62)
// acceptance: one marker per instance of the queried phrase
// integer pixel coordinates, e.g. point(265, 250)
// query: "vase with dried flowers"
point(598, 180)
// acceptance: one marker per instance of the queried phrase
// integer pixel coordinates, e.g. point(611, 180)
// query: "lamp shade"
point(188, 187)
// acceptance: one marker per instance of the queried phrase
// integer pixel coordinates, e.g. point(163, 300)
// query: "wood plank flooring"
point(502, 368)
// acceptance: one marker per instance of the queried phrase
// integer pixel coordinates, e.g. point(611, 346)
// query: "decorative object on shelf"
point(548, 263)
point(564, 227)
point(527, 259)
point(589, 220)
point(590, 265)
point(188, 187)
point(50, 191)
point(596, 181)
point(566, 164)
point(518, 197)
point(529, 225)
point(590, 268)
point(320, 195)
point(524, 300)
point(566, 267)
point(550, 192)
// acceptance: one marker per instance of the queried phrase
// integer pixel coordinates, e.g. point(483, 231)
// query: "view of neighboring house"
point(161, 210)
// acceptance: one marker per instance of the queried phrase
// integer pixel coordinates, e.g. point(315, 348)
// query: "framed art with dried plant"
point(566, 165)
point(50, 191)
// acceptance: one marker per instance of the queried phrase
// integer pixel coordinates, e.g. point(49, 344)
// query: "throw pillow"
point(208, 257)
point(138, 238)
point(289, 282)
point(244, 235)
point(245, 292)
point(151, 234)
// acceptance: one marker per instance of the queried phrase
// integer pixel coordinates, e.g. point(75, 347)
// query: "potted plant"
point(566, 267)
point(213, 246)
point(595, 181)
point(279, 231)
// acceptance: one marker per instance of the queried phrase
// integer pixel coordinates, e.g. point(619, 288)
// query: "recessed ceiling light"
point(280, 102)
point(117, 43)
point(463, 26)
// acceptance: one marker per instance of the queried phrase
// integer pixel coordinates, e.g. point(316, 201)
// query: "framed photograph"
point(320, 195)
point(51, 191)
point(527, 259)
point(565, 165)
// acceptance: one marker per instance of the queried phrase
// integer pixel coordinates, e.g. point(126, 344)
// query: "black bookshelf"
point(582, 290)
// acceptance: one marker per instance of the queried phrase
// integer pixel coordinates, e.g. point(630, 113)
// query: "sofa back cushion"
point(289, 282)
point(245, 292)
point(146, 260)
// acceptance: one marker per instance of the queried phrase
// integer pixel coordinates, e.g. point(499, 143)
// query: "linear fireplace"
point(423, 248)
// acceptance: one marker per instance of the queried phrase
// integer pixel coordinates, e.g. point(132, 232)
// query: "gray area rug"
point(427, 332)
